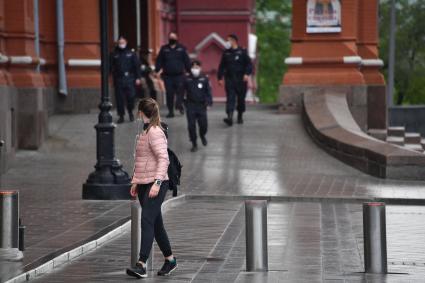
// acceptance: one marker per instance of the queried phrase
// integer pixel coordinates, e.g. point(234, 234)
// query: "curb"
point(52, 261)
point(393, 201)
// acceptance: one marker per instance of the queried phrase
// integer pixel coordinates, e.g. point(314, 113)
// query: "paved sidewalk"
point(308, 242)
point(271, 155)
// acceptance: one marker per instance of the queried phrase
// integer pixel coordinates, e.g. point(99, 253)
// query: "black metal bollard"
point(256, 235)
point(375, 237)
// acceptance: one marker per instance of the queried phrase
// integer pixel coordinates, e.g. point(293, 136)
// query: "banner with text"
point(323, 16)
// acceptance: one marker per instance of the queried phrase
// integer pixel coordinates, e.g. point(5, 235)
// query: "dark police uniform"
point(174, 62)
point(235, 63)
point(125, 69)
point(198, 97)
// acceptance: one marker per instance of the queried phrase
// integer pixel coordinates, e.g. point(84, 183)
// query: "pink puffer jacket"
point(151, 160)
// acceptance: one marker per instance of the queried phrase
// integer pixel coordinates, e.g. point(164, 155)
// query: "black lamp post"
point(109, 180)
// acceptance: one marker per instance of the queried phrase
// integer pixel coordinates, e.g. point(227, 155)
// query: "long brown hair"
point(150, 108)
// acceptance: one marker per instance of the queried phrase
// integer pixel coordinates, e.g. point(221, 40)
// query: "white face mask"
point(228, 45)
point(122, 46)
point(196, 72)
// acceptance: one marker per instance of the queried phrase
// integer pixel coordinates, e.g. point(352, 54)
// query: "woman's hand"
point(133, 190)
point(153, 193)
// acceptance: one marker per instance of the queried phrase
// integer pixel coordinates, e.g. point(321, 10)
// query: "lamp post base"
point(106, 191)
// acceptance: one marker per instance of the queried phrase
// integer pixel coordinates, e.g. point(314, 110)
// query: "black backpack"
point(174, 171)
point(174, 168)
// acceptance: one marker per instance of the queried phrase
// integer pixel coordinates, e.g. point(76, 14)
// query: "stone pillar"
point(325, 61)
point(324, 55)
point(8, 127)
point(31, 100)
point(82, 56)
point(367, 45)
point(48, 49)
point(155, 40)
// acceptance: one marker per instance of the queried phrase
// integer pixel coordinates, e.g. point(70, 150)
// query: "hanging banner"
point(323, 16)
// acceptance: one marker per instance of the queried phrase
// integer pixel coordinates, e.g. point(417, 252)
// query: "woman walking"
point(150, 183)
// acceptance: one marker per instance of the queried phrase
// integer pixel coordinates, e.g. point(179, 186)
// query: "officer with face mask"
point(173, 62)
point(197, 99)
point(235, 67)
point(125, 68)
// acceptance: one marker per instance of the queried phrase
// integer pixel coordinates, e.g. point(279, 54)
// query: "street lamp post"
point(109, 180)
point(391, 57)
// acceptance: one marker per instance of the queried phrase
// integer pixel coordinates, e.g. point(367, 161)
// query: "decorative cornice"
point(216, 13)
point(372, 62)
point(84, 62)
point(294, 61)
point(356, 60)
point(21, 60)
point(211, 37)
point(352, 59)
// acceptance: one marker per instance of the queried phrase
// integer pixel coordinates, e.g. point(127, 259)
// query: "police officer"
point(125, 69)
point(235, 67)
point(173, 62)
point(198, 98)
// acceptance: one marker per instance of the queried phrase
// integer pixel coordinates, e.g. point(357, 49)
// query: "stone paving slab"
point(270, 155)
point(192, 237)
point(308, 242)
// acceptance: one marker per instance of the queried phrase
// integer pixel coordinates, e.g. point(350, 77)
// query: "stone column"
point(30, 97)
point(154, 8)
point(48, 50)
point(367, 45)
point(7, 102)
point(82, 56)
point(325, 61)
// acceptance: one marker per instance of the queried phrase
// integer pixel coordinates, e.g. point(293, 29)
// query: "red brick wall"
point(198, 19)
point(323, 53)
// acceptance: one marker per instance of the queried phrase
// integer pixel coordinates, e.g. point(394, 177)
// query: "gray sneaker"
point(168, 267)
point(139, 271)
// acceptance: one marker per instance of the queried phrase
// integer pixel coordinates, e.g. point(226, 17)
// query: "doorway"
point(133, 24)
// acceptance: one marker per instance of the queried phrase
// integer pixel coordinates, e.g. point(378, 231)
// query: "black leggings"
point(152, 225)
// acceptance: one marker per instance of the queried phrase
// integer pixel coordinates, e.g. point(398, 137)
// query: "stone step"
point(412, 138)
point(414, 146)
point(380, 134)
point(396, 131)
point(395, 140)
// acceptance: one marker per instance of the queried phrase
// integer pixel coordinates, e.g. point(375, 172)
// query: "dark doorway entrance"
point(133, 23)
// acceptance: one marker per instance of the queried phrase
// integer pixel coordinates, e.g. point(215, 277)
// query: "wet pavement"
point(308, 242)
point(271, 155)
